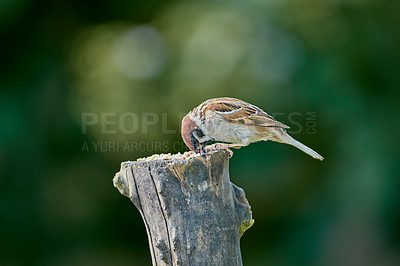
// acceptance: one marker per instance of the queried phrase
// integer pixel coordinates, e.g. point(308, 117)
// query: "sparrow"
point(233, 123)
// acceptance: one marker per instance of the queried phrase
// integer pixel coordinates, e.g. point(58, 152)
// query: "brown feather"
point(237, 111)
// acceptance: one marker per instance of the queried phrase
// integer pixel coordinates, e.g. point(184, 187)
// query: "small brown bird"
point(235, 123)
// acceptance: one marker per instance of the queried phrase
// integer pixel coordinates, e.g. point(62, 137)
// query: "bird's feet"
point(201, 149)
point(218, 146)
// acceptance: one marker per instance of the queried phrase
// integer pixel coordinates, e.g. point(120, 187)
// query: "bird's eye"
point(194, 141)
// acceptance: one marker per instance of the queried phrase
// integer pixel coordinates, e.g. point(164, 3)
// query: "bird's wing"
point(237, 111)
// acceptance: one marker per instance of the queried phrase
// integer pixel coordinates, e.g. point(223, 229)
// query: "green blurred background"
point(329, 69)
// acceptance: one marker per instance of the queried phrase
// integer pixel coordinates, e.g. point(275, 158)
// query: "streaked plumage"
point(233, 121)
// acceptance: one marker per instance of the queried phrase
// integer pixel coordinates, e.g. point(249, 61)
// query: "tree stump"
point(192, 212)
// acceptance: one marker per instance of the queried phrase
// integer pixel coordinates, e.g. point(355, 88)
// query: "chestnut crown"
point(188, 126)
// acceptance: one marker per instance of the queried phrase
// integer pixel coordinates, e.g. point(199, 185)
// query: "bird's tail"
point(291, 141)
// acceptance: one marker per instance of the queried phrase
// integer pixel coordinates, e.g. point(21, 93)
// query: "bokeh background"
point(71, 71)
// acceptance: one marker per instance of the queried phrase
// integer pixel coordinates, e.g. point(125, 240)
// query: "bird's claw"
point(219, 146)
point(201, 149)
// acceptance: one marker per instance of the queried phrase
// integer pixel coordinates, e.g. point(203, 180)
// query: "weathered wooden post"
point(192, 212)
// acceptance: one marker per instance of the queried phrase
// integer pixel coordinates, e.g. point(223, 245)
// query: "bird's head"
point(188, 126)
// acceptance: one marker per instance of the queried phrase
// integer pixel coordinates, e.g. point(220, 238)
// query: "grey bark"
point(192, 212)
